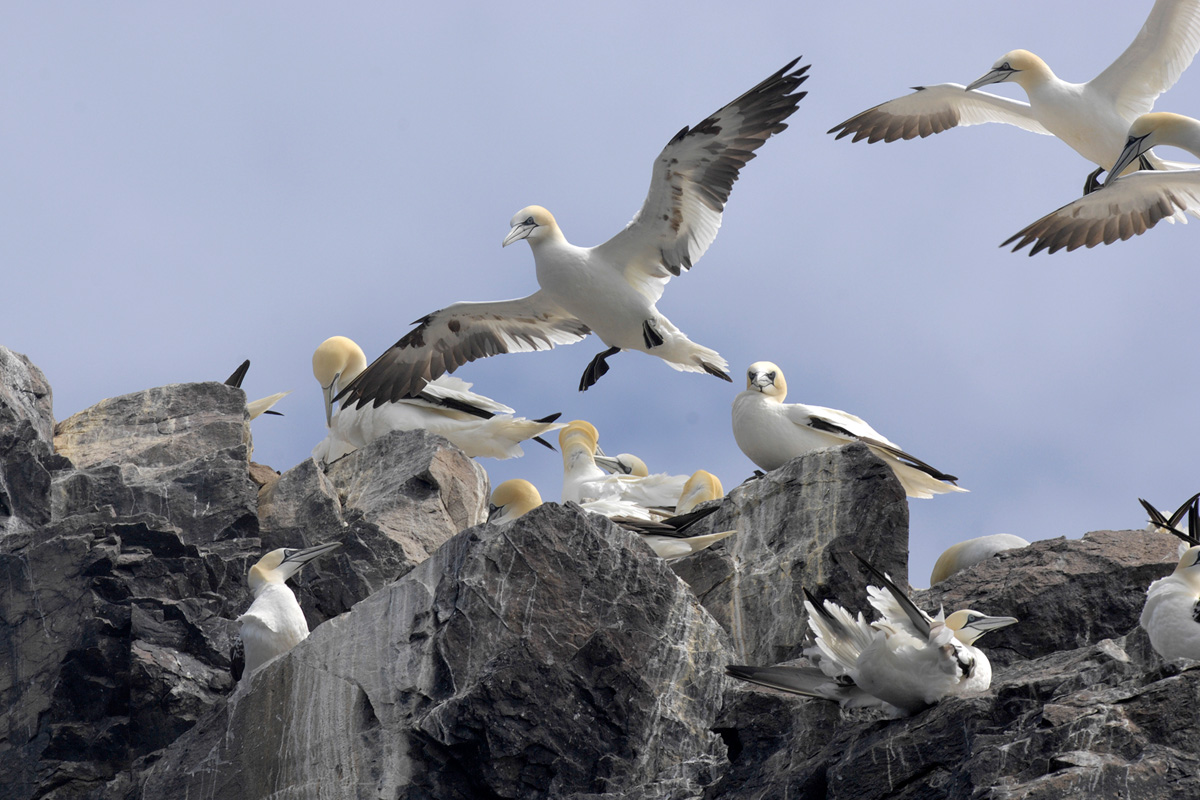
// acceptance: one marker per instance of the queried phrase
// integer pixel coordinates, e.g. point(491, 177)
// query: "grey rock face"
point(796, 528)
point(26, 436)
point(548, 658)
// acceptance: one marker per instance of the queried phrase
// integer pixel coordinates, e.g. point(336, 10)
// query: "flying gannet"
point(970, 552)
point(610, 289)
point(1091, 117)
point(905, 661)
point(585, 481)
point(258, 407)
point(666, 538)
point(772, 433)
point(1171, 615)
point(274, 622)
point(477, 425)
point(1131, 204)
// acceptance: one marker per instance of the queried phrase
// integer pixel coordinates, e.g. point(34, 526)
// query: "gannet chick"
point(666, 538)
point(1131, 204)
point(1092, 117)
point(1173, 608)
point(477, 425)
point(274, 622)
point(1189, 511)
point(700, 488)
point(584, 481)
point(905, 661)
point(772, 433)
point(610, 289)
point(969, 553)
point(258, 407)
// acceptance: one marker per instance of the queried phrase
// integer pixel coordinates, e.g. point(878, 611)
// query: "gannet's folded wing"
point(933, 109)
point(1159, 54)
point(446, 339)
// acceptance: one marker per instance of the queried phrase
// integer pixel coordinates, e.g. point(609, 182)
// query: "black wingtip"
point(235, 380)
point(273, 413)
point(544, 443)
point(550, 418)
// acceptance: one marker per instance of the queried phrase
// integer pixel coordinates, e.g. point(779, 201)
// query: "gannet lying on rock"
point(772, 433)
point(610, 289)
point(1171, 616)
point(477, 425)
point(585, 481)
point(274, 622)
point(700, 488)
point(904, 661)
point(1091, 117)
point(970, 552)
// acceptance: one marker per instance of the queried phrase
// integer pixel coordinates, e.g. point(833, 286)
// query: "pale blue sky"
point(187, 185)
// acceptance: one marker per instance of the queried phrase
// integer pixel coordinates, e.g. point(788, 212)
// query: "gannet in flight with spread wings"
point(477, 425)
point(1131, 204)
point(1091, 117)
point(274, 622)
point(905, 661)
point(610, 289)
point(772, 433)
point(1171, 615)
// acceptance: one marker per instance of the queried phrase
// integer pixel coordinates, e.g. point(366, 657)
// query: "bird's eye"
point(1006, 65)
point(771, 377)
point(528, 221)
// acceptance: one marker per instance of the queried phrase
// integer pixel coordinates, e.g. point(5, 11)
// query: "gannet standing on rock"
point(969, 553)
point(477, 425)
point(611, 289)
point(1091, 117)
point(904, 661)
point(274, 622)
point(584, 481)
point(1131, 204)
point(1171, 615)
point(772, 433)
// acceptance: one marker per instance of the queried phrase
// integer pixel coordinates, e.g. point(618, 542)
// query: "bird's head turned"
point(1188, 567)
point(512, 499)
point(533, 223)
point(968, 625)
point(765, 377)
point(335, 363)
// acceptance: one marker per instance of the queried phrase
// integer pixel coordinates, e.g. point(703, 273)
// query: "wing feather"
point(1158, 55)
point(933, 109)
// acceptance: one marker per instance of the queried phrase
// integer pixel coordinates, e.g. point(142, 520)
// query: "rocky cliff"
point(553, 657)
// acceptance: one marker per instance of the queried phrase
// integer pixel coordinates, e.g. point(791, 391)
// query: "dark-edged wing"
point(675, 527)
point(844, 424)
point(446, 339)
point(916, 616)
point(235, 380)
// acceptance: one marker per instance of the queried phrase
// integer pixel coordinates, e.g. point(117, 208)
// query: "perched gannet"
point(517, 497)
point(610, 289)
point(904, 661)
point(622, 464)
point(700, 488)
point(1171, 615)
point(969, 553)
point(1131, 204)
point(274, 622)
point(477, 425)
point(1091, 117)
point(584, 480)
point(772, 433)
point(1189, 510)
point(258, 407)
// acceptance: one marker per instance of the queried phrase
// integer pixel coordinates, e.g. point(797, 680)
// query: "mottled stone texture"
point(27, 459)
point(796, 528)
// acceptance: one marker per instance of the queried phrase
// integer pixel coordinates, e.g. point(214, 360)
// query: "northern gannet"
point(1189, 510)
point(700, 488)
point(274, 622)
point(585, 481)
point(970, 552)
point(1131, 204)
point(1091, 117)
point(477, 425)
point(610, 289)
point(904, 661)
point(1172, 610)
point(258, 407)
point(772, 433)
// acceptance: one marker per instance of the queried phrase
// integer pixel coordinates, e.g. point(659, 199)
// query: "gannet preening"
point(969, 553)
point(1171, 615)
point(274, 622)
point(1189, 510)
point(610, 289)
point(701, 487)
point(772, 433)
point(622, 464)
point(1131, 204)
point(666, 538)
point(1091, 117)
point(905, 661)
point(258, 407)
point(584, 481)
point(477, 425)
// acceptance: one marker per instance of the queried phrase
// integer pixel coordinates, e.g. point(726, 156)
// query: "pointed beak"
point(302, 557)
point(1133, 149)
point(329, 391)
point(494, 511)
point(517, 233)
point(609, 463)
point(993, 623)
point(997, 75)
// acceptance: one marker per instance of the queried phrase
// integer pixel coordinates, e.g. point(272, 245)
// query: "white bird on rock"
point(585, 481)
point(1091, 117)
point(274, 622)
point(970, 552)
point(610, 289)
point(700, 488)
point(905, 661)
point(477, 425)
point(1131, 204)
point(1171, 615)
point(772, 433)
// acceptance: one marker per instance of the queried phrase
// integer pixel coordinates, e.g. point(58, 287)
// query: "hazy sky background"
point(186, 185)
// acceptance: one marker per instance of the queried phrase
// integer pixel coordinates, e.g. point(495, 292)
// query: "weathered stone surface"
point(547, 658)
point(796, 528)
point(1067, 592)
point(25, 395)
point(26, 437)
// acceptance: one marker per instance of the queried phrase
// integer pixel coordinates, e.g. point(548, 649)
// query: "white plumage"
point(585, 481)
point(1171, 616)
point(970, 552)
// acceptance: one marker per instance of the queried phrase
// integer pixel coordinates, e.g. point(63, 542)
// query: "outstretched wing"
point(445, 340)
point(933, 109)
point(1159, 54)
point(691, 181)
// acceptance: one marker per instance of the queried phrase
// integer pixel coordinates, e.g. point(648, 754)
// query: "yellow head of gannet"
point(1155, 128)
point(335, 363)
point(701, 487)
point(533, 223)
point(766, 377)
point(279, 565)
point(968, 625)
point(512, 499)
point(622, 464)
point(1019, 66)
